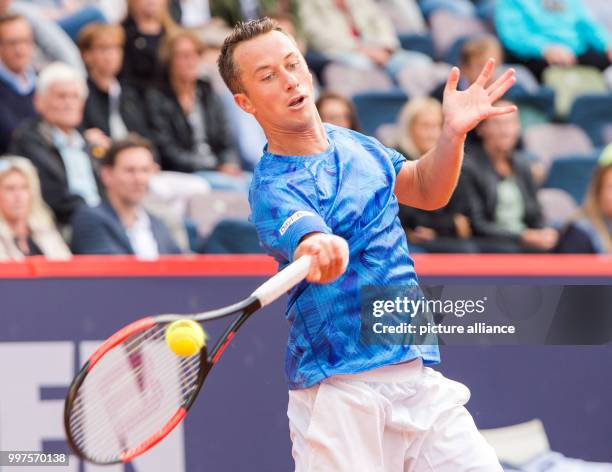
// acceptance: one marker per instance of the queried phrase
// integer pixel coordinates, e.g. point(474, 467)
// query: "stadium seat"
point(348, 81)
point(447, 28)
point(593, 113)
point(547, 141)
point(377, 108)
point(571, 82)
point(557, 206)
point(572, 174)
point(420, 79)
point(206, 211)
point(417, 42)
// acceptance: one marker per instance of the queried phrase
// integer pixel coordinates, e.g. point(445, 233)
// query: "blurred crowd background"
point(118, 136)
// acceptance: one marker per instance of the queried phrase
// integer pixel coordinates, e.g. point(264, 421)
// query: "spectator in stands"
point(356, 33)
point(50, 39)
point(474, 55)
point(120, 224)
point(17, 76)
point(505, 213)
point(55, 146)
point(113, 108)
point(26, 225)
point(234, 11)
point(70, 15)
point(591, 231)
point(447, 229)
point(188, 121)
point(147, 23)
point(551, 32)
point(337, 110)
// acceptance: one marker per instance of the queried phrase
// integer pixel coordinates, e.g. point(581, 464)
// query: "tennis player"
point(333, 193)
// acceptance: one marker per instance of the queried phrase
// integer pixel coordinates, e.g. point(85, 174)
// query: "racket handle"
point(282, 282)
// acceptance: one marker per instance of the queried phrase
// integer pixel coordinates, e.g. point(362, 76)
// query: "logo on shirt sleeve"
point(292, 219)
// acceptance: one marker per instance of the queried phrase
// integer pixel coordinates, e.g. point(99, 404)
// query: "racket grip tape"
point(284, 281)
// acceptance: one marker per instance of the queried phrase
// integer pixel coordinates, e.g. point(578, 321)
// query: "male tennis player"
point(333, 193)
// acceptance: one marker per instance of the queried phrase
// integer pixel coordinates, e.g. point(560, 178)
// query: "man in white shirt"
point(120, 224)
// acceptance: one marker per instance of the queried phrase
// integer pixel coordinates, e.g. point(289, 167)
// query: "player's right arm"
point(330, 255)
point(285, 209)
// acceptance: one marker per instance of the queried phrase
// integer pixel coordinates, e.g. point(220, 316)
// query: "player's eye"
point(294, 65)
point(267, 77)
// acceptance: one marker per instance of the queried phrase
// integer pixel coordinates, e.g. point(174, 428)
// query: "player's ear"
point(243, 102)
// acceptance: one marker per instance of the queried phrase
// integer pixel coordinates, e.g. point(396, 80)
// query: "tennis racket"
point(133, 391)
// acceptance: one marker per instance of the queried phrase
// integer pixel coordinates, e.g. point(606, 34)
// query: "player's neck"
point(298, 143)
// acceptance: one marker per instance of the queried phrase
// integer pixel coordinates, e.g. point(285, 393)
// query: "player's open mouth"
point(297, 102)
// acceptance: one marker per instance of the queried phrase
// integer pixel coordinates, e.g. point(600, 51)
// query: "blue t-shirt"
point(347, 190)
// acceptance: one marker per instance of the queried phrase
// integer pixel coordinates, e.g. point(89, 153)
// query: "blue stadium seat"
point(418, 42)
point(377, 108)
point(592, 113)
point(572, 174)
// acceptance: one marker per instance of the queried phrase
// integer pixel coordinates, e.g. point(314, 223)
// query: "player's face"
point(15, 197)
point(128, 180)
point(277, 85)
point(605, 194)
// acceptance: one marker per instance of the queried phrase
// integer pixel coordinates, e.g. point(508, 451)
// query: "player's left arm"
point(428, 183)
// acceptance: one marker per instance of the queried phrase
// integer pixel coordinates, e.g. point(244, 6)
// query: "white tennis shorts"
point(398, 418)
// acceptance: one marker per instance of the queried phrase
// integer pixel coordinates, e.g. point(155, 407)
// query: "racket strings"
point(131, 394)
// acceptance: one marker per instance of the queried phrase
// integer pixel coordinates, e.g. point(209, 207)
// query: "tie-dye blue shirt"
point(347, 190)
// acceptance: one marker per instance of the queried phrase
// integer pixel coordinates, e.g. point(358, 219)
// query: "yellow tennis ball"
point(185, 337)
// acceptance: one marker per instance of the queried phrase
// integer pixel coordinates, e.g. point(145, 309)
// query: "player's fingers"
point(340, 248)
point(500, 80)
point(502, 89)
point(323, 258)
point(496, 111)
point(485, 74)
point(453, 80)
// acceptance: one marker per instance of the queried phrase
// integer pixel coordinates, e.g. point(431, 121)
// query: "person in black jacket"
point(58, 150)
point(446, 229)
point(505, 213)
point(17, 76)
point(188, 121)
point(113, 108)
point(145, 26)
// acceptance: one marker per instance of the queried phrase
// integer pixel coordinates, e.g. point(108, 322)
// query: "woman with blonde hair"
point(146, 25)
point(591, 230)
point(445, 230)
point(26, 225)
point(419, 127)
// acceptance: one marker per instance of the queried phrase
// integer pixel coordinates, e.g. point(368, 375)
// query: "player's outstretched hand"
point(330, 256)
point(464, 110)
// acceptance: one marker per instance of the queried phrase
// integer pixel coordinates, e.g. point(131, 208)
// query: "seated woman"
point(505, 213)
point(591, 231)
point(446, 229)
point(188, 121)
point(26, 224)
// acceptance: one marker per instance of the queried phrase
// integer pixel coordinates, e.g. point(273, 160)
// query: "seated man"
point(17, 77)
point(52, 42)
point(120, 224)
point(53, 143)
